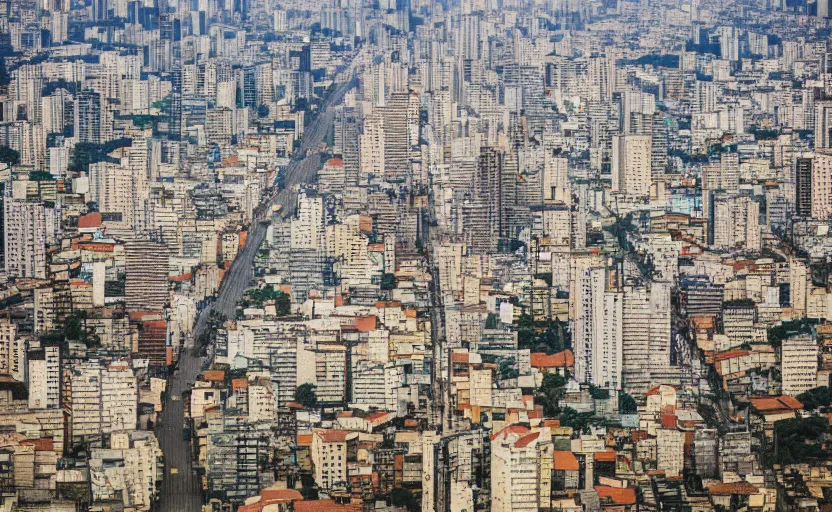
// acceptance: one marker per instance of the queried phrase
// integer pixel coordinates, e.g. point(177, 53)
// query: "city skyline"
point(457, 256)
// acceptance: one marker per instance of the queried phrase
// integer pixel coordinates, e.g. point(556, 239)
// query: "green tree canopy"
point(799, 440)
point(820, 396)
point(9, 156)
point(401, 497)
point(305, 395)
point(626, 403)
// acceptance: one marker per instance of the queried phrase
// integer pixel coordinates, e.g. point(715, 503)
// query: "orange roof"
point(776, 403)
point(332, 436)
point(335, 162)
point(563, 359)
point(619, 496)
point(90, 220)
point(326, 506)
point(281, 494)
point(605, 456)
point(304, 440)
point(180, 278)
point(213, 375)
point(565, 461)
point(723, 489)
point(655, 390)
point(365, 323)
point(270, 497)
point(511, 429)
point(459, 357)
point(44, 444)
point(702, 321)
point(731, 354)
point(239, 383)
point(525, 440)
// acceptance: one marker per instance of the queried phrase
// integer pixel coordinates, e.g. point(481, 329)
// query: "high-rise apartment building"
point(146, 271)
point(25, 235)
point(799, 364)
point(88, 117)
point(803, 186)
point(631, 164)
point(736, 223)
point(821, 184)
point(12, 352)
point(597, 328)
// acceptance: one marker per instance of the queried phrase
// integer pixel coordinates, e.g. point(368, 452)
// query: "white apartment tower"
point(799, 361)
point(821, 184)
point(631, 164)
point(25, 238)
point(596, 328)
point(12, 352)
point(736, 223)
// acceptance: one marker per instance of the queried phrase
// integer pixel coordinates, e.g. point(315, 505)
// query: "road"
point(181, 492)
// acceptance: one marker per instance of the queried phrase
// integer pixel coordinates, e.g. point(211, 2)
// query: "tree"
point(309, 493)
point(599, 393)
point(9, 156)
point(799, 440)
point(491, 321)
point(388, 281)
point(404, 498)
point(626, 403)
point(305, 395)
point(776, 334)
point(507, 369)
point(709, 415)
point(550, 392)
point(283, 304)
point(816, 397)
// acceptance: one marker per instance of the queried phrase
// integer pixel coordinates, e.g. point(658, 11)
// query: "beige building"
point(822, 185)
point(12, 352)
point(670, 451)
point(799, 364)
point(329, 457)
point(631, 164)
point(521, 469)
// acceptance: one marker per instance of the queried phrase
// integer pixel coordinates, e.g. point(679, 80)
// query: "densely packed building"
point(472, 255)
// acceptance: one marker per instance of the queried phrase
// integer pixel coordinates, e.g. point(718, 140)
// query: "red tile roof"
point(722, 356)
point(213, 375)
point(723, 489)
point(272, 497)
point(776, 403)
point(563, 359)
point(511, 429)
point(526, 440)
point(326, 506)
point(565, 461)
point(619, 496)
point(605, 456)
point(459, 357)
point(90, 220)
point(332, 436)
